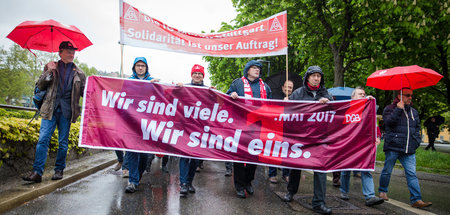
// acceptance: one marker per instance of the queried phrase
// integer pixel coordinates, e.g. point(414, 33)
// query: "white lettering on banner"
point(206, 113)
point(146, 35)
point(107, 97)
point(159, 108)
point(352, 118)
point(257, 45)
point(230, 144)
point(280, 149)
point(155, 131)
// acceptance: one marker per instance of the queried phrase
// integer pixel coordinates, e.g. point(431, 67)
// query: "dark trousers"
point(320, 180)
point(243, 175)
point(431, 139)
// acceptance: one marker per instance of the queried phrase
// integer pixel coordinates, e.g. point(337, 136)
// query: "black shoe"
point(344, 196)
point(249, 189)
point(228, 172)
point(34, 177)
point(374, 201)
point(240, 193)
point(131, 188)
point(58, 175)
point(184, 189)
point(288, 197)
point(191, 188)
point(322, 209)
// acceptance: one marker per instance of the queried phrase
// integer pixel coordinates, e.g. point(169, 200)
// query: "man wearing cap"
point(137, 162)
point(250, 86)
point(188, 166)
point(313, 89)
point(64, 83)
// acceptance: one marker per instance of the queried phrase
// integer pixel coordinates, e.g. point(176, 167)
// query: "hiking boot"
point(184, 189)
point(384, 196)
point(34, 177)
point(131, 188)
point(125, 173)
point(344, 196)
point(118, 166)
point(191, 188)
point(421, 204)
point(58, 175)
point(374, 201)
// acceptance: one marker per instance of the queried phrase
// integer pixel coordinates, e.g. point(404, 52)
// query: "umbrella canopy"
point(341, 93)
point(47, 35)
point(438, 120)
point(413, 77)
point(276, 81)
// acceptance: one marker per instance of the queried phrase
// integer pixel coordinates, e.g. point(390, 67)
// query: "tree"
point(354, 38)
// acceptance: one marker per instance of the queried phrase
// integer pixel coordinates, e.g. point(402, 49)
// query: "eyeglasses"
point(140, 65)
point(408, 95)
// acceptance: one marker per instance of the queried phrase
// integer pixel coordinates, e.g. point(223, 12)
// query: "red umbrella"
point(396, 78)
point(47, 35)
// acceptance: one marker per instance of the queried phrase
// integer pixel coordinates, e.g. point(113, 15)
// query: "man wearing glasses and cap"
point(402, 138)
point(64, 83)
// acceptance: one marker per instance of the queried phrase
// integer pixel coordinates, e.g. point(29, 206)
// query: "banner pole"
point(121, 60)
point(287, 70)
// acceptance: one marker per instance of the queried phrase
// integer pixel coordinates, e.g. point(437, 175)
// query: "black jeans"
point(243, 175)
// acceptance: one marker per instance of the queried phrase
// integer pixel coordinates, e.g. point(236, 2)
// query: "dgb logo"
point(352, 118)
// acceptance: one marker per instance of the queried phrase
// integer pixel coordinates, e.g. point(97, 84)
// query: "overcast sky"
point(99, 21)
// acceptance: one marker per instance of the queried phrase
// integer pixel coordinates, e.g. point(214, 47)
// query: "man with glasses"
point(402, 138)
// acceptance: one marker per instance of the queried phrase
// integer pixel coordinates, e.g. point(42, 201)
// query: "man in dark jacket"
point(137, 162)
point(249, 86)
point(313, 89)
point(188, 166)
point(432, 131)
point(64, 83)
point(402, 138)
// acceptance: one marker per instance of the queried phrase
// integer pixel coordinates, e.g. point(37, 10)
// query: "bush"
point(18, 141)
point(17, 113)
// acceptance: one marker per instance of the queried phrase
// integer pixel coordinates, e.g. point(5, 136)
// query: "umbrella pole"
point(121, 60)
point(287, 70)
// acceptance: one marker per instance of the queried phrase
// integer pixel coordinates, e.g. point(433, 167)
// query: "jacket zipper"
point(407, 124)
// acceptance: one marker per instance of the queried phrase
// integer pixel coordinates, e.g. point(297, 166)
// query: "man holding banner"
point(137, 162)
point(313, 89)
point(188, 166)
point(250, 86)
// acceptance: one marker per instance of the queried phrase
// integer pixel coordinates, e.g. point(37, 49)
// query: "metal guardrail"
point(18, 107)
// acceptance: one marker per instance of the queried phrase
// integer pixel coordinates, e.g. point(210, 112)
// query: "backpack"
point(38, 97)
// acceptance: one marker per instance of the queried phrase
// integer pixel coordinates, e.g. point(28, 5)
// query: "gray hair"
point(357, 88)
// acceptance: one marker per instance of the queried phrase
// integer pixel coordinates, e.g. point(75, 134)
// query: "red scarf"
point(248, 90)
point(313, 88)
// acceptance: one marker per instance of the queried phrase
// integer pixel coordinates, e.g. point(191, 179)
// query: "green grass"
point(426, 160)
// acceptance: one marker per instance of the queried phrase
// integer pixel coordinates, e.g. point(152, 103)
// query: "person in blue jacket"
point(402, 138)
point(250, 86)
point(137, 162)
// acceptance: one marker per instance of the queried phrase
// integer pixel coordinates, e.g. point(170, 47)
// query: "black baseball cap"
point(66, 45)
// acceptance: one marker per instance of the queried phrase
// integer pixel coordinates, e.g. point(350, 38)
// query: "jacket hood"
point(146, 69)
point(250, 64)
point(311, 70)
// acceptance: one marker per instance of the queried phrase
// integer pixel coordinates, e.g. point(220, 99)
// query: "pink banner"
point(264, 38)
point(203, 123)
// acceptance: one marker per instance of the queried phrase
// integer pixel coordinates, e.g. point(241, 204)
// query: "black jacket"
point(402, 129)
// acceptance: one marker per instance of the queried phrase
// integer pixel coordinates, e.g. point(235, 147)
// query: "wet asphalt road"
point(158, 193)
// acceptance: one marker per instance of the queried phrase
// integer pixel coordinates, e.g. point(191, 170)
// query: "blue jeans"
point(187, 170)
point(137, 163)
point(45, 135)
point(408, 162)
point(368, 189)
point(273, 172)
